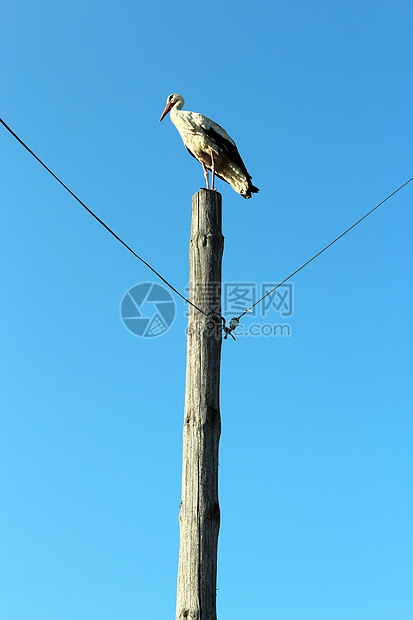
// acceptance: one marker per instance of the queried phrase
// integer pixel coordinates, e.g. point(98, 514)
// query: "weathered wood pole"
point(199, 515)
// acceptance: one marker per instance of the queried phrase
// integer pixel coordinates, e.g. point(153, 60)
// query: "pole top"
point(208, 192)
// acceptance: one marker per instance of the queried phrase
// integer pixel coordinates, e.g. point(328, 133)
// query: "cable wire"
point(323, 250)
point(235, 321)
point(98, 218)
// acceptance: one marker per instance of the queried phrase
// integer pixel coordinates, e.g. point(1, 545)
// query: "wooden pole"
point(199, 515)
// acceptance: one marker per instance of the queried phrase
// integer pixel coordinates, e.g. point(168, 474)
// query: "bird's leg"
point(212, 169)
point(205, 174)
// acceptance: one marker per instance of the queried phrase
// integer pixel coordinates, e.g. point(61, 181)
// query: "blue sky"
point(316, 445)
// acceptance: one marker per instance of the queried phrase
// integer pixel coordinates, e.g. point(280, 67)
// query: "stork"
point(211, 146)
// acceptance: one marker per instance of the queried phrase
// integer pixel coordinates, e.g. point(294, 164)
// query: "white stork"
point(211, 146)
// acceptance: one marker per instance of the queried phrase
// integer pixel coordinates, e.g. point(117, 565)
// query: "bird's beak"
point(165, 112)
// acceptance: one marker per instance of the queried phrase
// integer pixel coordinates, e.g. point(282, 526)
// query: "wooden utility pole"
point(199, 516)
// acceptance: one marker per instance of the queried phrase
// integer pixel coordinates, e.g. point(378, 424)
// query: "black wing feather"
point(228, 148)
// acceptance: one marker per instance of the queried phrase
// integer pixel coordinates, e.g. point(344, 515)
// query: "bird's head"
point(173, 100)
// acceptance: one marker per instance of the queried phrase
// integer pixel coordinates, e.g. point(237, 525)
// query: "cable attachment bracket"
point(233, 324)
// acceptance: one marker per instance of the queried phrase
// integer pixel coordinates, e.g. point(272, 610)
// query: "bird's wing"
point(189, 123)
point(210, 126)
point(224, 142)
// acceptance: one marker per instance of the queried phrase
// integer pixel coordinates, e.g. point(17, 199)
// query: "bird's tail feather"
point(251, 190)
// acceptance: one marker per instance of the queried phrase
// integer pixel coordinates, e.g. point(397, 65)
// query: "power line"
point(98, 218)
point(235, 321)
point(321, 251)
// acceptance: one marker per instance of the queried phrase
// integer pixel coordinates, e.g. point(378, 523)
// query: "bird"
point(210, 144)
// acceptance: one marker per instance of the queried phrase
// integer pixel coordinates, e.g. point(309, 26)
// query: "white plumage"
point(211, 146)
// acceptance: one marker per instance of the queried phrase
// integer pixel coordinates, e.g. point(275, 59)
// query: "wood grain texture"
point(199, 515)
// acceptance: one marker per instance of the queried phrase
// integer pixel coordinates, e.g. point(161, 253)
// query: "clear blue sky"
point(316, 446)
